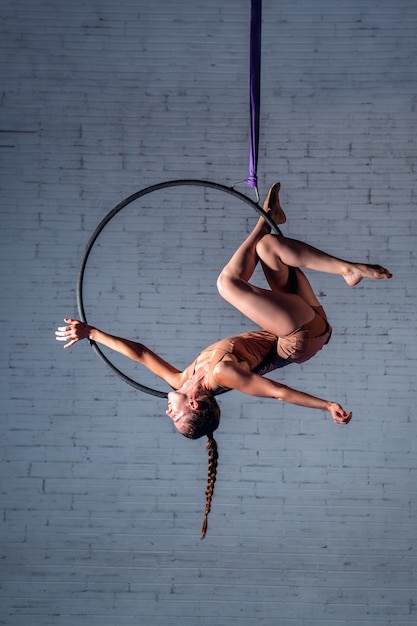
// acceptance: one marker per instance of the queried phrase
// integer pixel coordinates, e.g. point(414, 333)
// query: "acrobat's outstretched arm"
point(232, 375)
point(77, 331)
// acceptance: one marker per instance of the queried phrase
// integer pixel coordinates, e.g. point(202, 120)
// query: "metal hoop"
point(106, 220)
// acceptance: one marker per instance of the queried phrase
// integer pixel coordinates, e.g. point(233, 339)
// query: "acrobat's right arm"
point(76, 331)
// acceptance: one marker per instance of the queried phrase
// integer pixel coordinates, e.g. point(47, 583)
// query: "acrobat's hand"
point(75, 331)
point(339, 414)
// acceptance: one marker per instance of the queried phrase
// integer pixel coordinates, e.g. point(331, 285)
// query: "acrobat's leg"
point(278, 312)
point(275, 250)
point(245, 259)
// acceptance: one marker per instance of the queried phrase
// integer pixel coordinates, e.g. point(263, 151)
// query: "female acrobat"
point(294, 328)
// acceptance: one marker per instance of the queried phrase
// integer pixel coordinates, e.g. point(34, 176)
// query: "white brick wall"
point(101, 502)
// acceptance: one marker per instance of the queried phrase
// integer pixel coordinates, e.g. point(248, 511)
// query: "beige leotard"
point(307, 340)
point(256, 347)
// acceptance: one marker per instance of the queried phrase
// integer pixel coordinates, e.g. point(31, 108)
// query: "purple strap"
point(255, 89)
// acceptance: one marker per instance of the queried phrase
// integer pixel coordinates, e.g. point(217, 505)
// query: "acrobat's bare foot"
point(272, 205)
point(357, 271)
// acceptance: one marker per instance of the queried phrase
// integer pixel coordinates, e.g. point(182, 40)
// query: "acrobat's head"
point(204, 419)
point(193, 415)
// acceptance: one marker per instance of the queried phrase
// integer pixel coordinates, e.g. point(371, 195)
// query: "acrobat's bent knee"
point(223, 283)
point(267, 246)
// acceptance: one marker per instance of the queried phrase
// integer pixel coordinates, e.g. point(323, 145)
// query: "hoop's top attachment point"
point(103, 224)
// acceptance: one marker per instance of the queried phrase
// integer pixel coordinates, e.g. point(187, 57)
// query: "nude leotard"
point(263, 351)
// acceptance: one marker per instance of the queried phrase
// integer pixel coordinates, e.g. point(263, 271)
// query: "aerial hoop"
point(143, 192)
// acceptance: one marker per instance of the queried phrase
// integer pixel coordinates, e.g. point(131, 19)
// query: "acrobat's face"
point(179, 406)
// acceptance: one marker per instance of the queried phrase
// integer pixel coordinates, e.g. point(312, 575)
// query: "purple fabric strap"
point(255, 89)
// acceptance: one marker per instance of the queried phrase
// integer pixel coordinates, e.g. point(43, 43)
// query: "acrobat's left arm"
point(228, 374)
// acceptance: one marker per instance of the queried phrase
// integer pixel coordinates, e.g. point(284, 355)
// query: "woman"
point(294, 328)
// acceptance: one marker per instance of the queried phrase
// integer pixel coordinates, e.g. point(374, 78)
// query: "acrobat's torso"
point(260, 351)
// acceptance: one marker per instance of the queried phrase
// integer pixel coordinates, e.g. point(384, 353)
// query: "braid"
point(203, 422)
point(211, 478)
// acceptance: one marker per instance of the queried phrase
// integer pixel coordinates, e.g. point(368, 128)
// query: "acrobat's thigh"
point(277, 273)
point(278, 312)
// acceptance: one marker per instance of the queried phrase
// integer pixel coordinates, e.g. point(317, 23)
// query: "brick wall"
point(102, 502)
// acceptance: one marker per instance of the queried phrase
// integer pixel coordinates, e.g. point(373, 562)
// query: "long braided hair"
point(213, 456)
point(204, 421)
